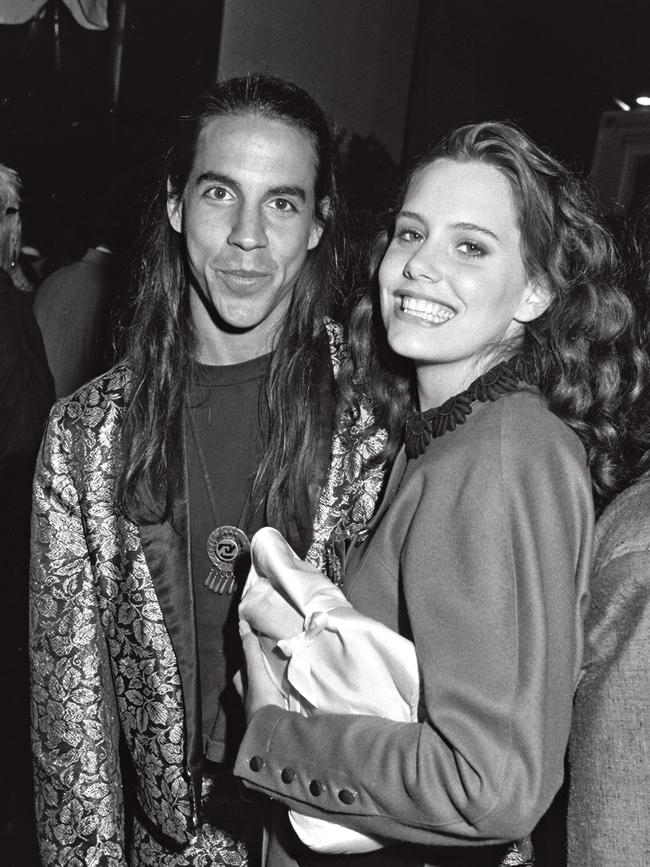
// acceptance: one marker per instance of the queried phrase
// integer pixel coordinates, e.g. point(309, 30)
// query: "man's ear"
point(174, 208)
point(318, 223)
point(537, 298)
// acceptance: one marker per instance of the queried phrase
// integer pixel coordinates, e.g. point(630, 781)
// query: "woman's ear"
point(536, 299)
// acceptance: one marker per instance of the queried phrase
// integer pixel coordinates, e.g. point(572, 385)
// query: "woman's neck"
point(436, 383)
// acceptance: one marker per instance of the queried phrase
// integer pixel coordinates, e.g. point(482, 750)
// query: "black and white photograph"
point(325, 433)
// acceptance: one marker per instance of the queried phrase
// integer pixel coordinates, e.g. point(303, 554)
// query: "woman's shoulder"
point(522, 421)
point(514, 443)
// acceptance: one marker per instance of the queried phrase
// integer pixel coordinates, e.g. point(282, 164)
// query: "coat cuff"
point(267, 764)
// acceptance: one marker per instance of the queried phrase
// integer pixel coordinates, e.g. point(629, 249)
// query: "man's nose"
point(247, 231)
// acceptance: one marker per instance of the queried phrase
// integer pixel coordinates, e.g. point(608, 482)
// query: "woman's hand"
point(258, 688)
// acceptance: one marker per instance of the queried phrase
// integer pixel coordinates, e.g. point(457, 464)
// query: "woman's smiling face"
point(453, 284)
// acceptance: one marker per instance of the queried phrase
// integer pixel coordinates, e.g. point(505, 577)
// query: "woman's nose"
point(424, 264)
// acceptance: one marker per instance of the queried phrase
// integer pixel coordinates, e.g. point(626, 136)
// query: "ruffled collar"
point(422, 427)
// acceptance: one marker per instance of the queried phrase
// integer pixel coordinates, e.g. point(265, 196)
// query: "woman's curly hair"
point(636, 246)
point(583, 349)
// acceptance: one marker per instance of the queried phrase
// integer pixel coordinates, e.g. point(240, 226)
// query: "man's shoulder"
point(97, 402)
point(337, 343)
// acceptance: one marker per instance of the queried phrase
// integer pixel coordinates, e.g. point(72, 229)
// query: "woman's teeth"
point(427, 310)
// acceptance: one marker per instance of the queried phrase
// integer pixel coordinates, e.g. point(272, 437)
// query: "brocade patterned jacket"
point(113, 646)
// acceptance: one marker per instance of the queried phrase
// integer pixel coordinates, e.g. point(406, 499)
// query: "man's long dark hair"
point(160, 341)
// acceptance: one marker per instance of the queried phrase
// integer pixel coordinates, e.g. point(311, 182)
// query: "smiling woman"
point(499, 353)
point(499, 241)
point(454, 287)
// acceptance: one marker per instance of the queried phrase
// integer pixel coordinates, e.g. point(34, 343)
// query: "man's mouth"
point(429, 311)
point(244, 273)
point(240, 277)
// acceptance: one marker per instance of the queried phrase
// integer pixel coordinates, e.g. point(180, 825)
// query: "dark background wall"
point(59, 126)
point(354, 57)
point(398, 72)
point(552, 65)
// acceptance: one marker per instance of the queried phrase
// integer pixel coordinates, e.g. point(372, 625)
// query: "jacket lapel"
point(393, 483)
point(166, 549)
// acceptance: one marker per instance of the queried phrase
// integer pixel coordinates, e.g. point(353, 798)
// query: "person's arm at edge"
point(79, 809)
point(608, 755)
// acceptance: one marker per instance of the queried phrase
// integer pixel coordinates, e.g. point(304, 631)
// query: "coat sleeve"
point(79, 810)
point(491, 584)
point(609, 768)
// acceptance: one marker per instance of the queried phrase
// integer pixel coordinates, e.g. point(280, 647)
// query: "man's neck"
point(230, 349)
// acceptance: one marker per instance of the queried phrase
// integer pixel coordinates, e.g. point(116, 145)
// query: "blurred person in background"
point(609, 749)
point(77, 305)
point(11, 228)
point(26, 394)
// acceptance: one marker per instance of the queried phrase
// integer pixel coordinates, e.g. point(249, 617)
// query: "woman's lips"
point(429, 311)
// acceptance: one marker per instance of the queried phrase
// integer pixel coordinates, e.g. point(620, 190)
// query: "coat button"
point(315, 787)
point(288, 775)
point(346, 796)
point(256, 763)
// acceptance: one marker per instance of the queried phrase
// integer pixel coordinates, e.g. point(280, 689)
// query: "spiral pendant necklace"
point(226, 545)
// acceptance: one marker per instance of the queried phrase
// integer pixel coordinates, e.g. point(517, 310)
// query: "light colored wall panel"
point(354, 56)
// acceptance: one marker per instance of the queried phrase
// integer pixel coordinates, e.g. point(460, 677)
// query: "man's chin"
point(234, 327)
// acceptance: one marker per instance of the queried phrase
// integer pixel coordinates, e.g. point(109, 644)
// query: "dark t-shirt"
point(229, 421)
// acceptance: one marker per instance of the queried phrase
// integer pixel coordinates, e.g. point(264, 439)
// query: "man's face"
point(248, 217)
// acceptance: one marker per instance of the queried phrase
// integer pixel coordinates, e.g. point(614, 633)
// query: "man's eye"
point(219, 193)
point(471, 248)
point(283, 205)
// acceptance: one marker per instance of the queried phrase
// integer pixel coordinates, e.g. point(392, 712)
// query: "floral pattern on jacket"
point(102, 659)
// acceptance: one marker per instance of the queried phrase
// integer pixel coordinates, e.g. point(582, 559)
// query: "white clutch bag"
point(332, 659)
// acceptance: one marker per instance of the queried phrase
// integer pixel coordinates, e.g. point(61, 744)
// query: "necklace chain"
point(226, 545)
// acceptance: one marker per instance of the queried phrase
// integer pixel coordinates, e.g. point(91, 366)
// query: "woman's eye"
point(471, 248)
point(409, 236)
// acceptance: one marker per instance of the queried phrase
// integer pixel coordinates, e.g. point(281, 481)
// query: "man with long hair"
point(220, 418)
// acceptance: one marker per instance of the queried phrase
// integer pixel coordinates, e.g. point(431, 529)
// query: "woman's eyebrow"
point(463, 227)
point(474, 227)
point(410, 215)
